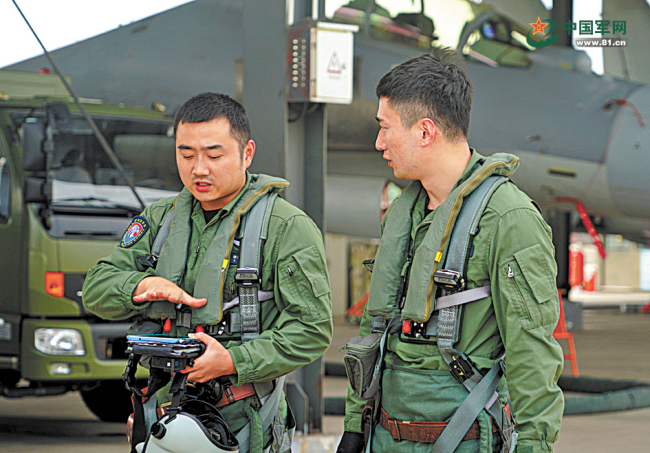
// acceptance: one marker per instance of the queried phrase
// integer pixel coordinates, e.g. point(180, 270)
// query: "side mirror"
point(33, 154)
point(61, 116)
point(38, 138)
point(5, 190)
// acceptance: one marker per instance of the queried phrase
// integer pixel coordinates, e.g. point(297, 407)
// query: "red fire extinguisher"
point(576, 262)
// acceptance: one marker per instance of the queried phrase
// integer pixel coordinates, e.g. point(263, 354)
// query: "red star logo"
point(538, 26)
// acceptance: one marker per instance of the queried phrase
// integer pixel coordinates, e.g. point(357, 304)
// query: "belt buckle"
point(227, 391)
point(393, 422)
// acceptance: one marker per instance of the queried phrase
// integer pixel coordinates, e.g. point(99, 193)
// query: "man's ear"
point(427, 131)
point(249, 152)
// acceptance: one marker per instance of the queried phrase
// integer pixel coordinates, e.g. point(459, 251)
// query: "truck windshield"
point(83, 175)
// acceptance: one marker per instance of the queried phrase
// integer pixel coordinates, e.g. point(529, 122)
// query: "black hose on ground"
point(596, 395)
point(603, 395)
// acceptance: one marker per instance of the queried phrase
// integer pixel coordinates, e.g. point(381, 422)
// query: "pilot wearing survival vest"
point(464, 274)
point(197, 283)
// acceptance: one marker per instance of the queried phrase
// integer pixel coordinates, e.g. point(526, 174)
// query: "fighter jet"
point(580, 136)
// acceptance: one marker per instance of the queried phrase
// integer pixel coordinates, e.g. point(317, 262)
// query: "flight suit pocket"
point(312, 266)
point(308, 276)
point(532, 287)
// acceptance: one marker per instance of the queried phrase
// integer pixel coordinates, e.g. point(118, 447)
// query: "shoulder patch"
point(136, 229)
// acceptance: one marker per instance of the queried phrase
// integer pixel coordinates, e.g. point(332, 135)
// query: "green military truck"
point(64, 205)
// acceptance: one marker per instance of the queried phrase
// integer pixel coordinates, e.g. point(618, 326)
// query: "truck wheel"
point(110, 401)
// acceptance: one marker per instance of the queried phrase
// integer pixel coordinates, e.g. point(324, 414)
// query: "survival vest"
point(174, 237)
point(251, 214)
point(449, 241)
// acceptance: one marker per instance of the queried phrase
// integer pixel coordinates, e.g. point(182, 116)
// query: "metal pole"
point(295, 151)
point(265, 41)
point(561, 13)
point(316, 164)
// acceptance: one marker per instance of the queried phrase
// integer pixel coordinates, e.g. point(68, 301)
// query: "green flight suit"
point(296, 324)
point(513, 253)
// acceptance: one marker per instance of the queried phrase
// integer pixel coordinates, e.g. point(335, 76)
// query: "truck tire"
point(110, 401)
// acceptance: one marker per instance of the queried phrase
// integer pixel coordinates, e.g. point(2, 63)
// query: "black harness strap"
point(157, 380)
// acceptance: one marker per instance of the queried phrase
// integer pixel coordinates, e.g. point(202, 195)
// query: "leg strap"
point(266, 413)
point(466, 414)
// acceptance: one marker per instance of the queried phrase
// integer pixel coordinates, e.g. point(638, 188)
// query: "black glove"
point(351, 443)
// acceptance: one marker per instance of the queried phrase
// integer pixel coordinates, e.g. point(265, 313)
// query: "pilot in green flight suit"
point(213, 150)
point(424, 110)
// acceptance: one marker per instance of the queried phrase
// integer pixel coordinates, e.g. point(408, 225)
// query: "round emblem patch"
point(138, 227)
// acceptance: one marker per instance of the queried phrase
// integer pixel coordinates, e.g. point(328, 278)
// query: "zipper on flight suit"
point(511, 274)
point(428, 222)
point(198, 247)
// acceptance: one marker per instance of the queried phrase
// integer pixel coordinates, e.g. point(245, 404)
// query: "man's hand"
point(213, 363)
point(158, 288)
point(351, 443)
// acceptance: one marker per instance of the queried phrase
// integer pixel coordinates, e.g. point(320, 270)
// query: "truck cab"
point(63, 206)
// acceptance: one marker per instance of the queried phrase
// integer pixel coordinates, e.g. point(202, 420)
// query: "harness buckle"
point(247, 277)
point(147, 261)
point(450, 281)
point(222, 328)
point(183, 316)
point(461, 367)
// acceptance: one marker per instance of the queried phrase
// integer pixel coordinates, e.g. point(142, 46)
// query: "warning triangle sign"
point(334, 67)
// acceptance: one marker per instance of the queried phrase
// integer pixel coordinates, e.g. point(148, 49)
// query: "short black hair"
point(433, 85)
point(206, 107)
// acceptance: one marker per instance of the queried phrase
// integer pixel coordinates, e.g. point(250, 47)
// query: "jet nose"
point(628, 153)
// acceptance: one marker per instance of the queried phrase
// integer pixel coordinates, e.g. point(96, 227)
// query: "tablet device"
point(155, 339)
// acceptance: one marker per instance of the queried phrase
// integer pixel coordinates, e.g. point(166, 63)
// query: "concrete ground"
point(612, 345)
